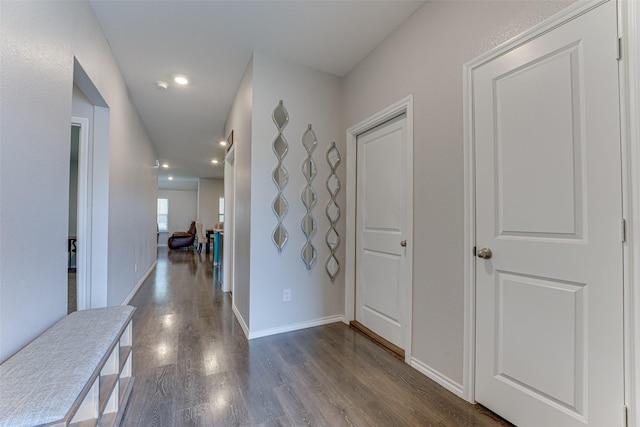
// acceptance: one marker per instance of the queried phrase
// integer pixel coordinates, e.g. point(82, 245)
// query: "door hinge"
point(619, 49)
point(625, 416)
point(623, 230)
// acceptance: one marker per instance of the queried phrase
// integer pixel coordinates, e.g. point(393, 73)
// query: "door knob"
point(403, 243)
point(485, 253)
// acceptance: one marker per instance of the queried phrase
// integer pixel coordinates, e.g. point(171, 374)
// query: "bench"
point(77, 373)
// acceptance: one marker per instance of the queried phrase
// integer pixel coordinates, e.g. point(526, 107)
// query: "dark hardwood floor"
point(194, 367)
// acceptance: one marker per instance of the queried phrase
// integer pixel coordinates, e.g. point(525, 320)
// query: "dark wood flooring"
point(194, 367)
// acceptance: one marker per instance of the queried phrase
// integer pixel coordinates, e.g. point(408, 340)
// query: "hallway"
point(194, 367)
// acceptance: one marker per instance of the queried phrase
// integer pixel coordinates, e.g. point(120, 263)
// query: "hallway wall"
point(182, 210)
point(239, 121)
point(261, 273)
point(209, 192)
point(424, 57)
point(38, 43)
point(310, 96)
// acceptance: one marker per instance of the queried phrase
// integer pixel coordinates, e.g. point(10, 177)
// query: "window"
point(221, 209)
point(163, 214)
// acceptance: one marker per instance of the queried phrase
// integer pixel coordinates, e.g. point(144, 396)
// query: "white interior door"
point(549, 320)
point(382, 276)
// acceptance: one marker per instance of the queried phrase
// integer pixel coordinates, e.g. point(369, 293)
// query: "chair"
point(201, 239)
point(183, 239)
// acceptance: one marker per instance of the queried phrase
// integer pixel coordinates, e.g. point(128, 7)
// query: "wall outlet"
point(286, 295)
point(135, 268)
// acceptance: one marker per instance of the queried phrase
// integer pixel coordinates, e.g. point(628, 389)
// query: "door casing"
point(84, 214)
point(629, 70)
point(228, 261)
point(405, 105)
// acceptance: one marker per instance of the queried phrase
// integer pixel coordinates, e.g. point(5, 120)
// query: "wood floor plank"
point(190, 382)
point(193, 417)
point(226, 402)
point(262, 404)
point(154, 406)
point(194, 366)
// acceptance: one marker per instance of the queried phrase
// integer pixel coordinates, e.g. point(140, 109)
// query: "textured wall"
point(424, 57)
point(312, 97)
point(38, 43)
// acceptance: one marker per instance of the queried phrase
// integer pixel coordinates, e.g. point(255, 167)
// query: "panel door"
point(381, 267)
point(549, 337)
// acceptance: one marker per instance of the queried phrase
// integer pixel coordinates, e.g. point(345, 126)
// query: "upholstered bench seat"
point(47, 381)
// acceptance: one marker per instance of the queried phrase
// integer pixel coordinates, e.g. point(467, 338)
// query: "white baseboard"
point(441, 379)
point(243, 324)
point(140, 282)
point(294, 327)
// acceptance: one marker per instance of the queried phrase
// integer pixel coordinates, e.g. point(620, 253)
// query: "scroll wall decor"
point(333, 212)
point(280, 176)
point(309, 197)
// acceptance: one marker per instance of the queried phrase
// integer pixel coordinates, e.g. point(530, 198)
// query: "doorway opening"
point(72, 265)
point(91, 115)
point(79, 240)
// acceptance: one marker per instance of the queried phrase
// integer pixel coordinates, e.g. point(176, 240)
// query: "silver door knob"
point(403, 243)
point(485, 253)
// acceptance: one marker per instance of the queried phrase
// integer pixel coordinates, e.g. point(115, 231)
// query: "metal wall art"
point(309, 197)
point(280, 176)
point(333, 212)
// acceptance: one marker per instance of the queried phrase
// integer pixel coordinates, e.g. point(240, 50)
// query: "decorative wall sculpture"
point(280, 176)
point(333, 212)
point(309, 197)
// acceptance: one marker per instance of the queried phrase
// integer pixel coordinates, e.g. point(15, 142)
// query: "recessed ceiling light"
point(170, 178)
point(165, 165)
point(162, 85)
point(181, 80)
point(214, 161)
point(223, 143)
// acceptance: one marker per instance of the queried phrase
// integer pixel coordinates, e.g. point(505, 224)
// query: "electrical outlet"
point(286, 295)
point(135, 268)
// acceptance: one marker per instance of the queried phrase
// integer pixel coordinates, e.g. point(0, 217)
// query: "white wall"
point(424, 57)
point(38, 43)
point(239, 120)
point(183, 206)
point(209, 191)
point(310, 97)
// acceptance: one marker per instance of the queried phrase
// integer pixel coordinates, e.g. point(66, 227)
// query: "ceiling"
point(211, 42)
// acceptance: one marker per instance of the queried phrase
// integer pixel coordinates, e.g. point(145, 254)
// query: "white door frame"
point(403, 106)
point(228, 249)
point(84, 214)
point(629, 19)
point(629, 27)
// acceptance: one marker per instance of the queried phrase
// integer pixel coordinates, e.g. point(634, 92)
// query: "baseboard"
point(240, 319)
point(399, 352)
point(294, 327)
point(140, 282)
point(436, 376)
